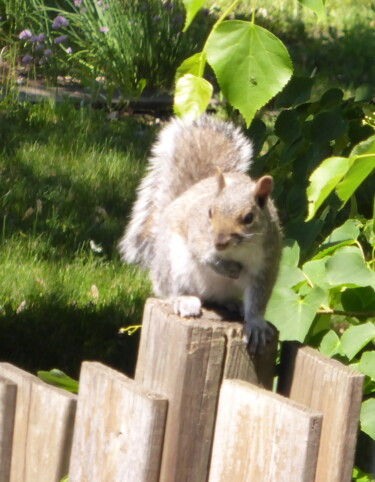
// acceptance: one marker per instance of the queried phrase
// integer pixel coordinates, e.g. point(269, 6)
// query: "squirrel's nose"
point(221, 241)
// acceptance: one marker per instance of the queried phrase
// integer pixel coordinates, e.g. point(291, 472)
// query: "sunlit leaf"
point(192, 96)
point(316, 6)
point(330, 344)
point(347, 267)
point(292, 314)
point(324, 180)
point(191, 65)
point(367, 364)
point(59, 379)
point(250, 63)
point(357, 337)
point(192, 7)
point(368, 417)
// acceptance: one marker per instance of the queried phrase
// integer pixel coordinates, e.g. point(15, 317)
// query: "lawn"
point(68, 178)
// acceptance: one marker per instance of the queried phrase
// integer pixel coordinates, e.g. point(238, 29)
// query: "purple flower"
point(77, 3)
point(25, 35)
point(69, 50)
point(103, 29)
point(39, 47)
point(99, 3)
point(37, 38)
point(60, 39)
point(47, 52)
point(60, 21)
point(26, 59)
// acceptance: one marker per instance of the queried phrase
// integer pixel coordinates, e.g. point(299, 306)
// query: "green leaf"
point(289, 274)
point(315, 271)
point(347, 267)
point(317, 6)
point(328, 126)
point(250, 63)
point(367, 364)
point(360, 299)
point(59, 379)
point(191, 65)
point(360, 476)
point(192, 7)
point(362, 161)
point(357, 337)
point(323, 180)
point(292, 314)
point(296, 92)
point(345, 235)
point(192, 96)
point(367, 417)
point(330, 344)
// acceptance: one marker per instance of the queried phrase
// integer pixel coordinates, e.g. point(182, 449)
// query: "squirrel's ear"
point(262, 189)
point(220, 179)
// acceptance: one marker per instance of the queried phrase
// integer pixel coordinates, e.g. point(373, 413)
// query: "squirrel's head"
point(239, 211)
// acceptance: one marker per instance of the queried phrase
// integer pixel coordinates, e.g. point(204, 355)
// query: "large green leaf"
point(323, 180)
point(316, 6)
point(357, 337)
point(347, 267)
point(192, 7)
point(344, 235)
point(192, 96)
point(363, 163)
point(191, 65)
point(330, 344)
point(367, 364)
point(250, 63)
point(293, 314)
point(368, 417)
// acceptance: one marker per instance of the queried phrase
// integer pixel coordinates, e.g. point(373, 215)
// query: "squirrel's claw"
point(257, 334)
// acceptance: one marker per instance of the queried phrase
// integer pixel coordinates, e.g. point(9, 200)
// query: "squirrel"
point(206, 231)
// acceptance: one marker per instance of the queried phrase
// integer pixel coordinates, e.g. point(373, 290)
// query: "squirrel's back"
point(185, 152)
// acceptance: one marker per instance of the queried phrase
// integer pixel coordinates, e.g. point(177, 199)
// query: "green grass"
point(68, 179)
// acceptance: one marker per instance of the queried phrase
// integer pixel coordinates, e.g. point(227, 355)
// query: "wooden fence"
point(199, 409)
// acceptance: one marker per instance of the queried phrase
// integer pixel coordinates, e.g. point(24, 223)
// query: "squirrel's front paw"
point(257, 334)
point(187, 306)
point(226, 267)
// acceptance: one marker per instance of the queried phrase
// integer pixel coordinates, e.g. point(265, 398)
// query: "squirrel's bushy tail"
point(185, 152)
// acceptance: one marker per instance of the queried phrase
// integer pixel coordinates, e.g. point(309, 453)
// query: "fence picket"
point(43, 428)
point(262, 436)
point(8, 394)
point(334, 389)
point(119, 429)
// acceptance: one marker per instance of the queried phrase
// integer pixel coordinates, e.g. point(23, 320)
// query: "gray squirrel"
point(206, 231)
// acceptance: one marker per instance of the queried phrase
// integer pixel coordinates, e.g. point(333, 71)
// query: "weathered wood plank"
point(119, 429)
point(185, 360)
point(334, 389)
point(43, 428)
point(261, 436)
point(8, 394)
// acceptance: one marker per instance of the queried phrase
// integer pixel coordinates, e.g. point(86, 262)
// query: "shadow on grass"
point(58, 336)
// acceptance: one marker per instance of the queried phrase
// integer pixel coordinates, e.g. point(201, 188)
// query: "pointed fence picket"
point(199, 409)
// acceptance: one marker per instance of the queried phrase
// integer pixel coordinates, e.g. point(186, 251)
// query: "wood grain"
point(119, 429)
point(8, 394)
point(334, 389)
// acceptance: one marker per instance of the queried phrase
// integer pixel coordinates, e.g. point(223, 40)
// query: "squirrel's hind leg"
point(187, 306)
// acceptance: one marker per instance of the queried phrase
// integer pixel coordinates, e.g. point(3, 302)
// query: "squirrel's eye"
point(248, 219)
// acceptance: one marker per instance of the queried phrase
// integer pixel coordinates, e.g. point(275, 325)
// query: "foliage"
point(118, 44)
point(59, 379)
point(322, 154)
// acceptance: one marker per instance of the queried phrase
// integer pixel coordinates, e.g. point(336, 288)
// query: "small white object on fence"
point(119, 430)
point(43, 428)
point(260, 435)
